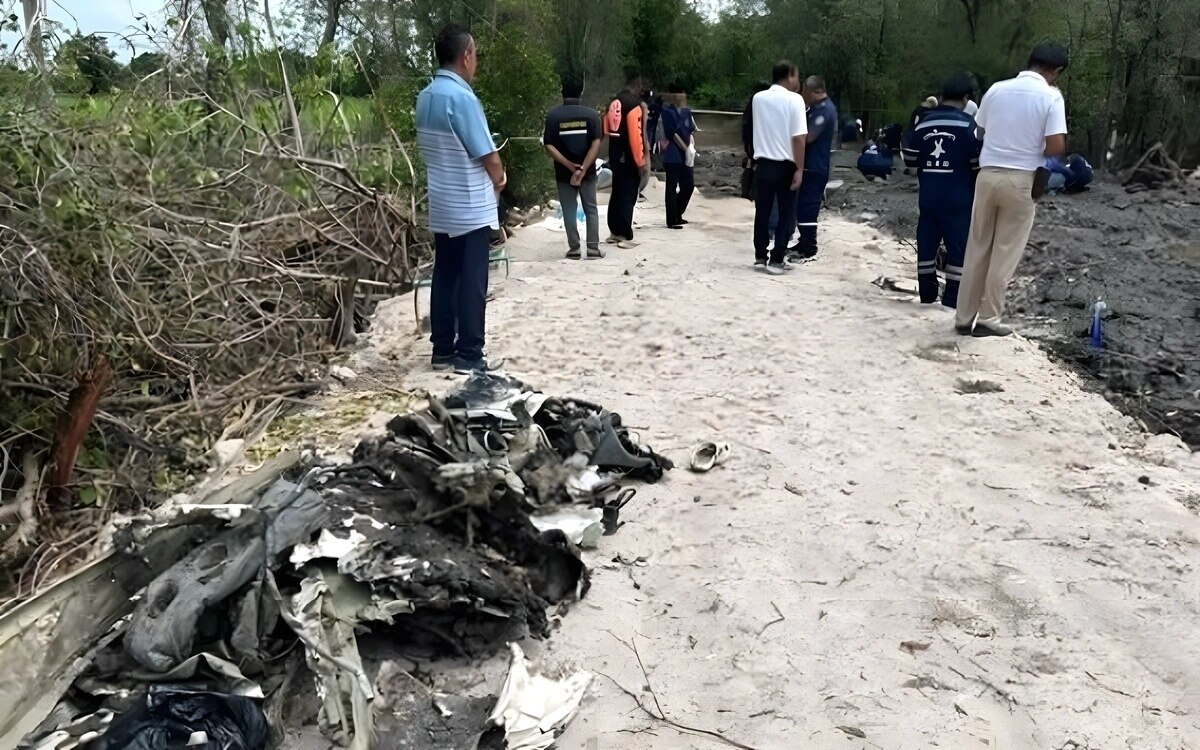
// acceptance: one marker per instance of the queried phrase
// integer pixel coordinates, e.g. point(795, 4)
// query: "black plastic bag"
point(169, 717)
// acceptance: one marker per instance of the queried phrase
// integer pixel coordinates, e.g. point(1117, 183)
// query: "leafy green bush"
point(398, 100)
point(15, 85)
point(530, 172)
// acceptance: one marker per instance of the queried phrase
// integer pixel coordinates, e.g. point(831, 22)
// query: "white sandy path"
point(1009, 531)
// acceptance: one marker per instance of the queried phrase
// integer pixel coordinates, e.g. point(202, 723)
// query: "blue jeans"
point(458, 296)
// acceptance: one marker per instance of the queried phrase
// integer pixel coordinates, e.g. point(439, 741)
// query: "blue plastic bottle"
point(1097, 327)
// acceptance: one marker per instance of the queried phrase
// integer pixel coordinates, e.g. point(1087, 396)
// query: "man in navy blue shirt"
point(678, 130)
point(944, 150)
point(822, 125)
point(1071, 175)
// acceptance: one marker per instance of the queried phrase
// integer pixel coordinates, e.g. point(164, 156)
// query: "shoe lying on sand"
point(594, 253)
point(708, 455)
point(573, 254)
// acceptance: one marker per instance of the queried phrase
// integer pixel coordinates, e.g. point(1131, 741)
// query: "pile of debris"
point(450, 536)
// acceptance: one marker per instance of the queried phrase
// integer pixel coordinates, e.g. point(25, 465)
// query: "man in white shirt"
point(1024, 121)
point(780, 129)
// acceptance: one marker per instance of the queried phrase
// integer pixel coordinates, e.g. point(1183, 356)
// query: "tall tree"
point(216, 14)
point(650, 37)
point(333, 11)
point(589, 34)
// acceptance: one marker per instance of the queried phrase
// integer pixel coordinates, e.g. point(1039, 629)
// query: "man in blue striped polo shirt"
point(465, 176)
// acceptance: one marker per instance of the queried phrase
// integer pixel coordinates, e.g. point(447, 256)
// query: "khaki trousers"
point(1001, 220)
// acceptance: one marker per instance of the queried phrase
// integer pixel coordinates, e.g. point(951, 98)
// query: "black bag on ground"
point(172, 718)
point(748, 179)
point(1041, 181)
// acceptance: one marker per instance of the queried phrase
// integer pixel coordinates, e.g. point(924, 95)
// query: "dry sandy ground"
point(884, 562)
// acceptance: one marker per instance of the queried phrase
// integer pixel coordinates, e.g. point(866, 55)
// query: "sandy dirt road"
point(884, 562)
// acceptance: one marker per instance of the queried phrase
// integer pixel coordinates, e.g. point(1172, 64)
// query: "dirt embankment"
point(1139, 252)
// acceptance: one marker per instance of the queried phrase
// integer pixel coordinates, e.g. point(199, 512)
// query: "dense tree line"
point(1134, 78)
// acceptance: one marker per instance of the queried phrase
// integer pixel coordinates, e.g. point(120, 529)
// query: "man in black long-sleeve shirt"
point(748, 142)
point(748, 120)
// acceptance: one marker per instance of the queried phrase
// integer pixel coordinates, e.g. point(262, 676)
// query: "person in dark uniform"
point(852, 130)
point(654, 108)
point(822, 120)
point(944, 150)
point(1071, 175)
point(875, 161)
point(891, 135)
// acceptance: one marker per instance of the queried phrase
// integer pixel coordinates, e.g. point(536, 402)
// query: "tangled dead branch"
point(162, 265)
point(1154, 169)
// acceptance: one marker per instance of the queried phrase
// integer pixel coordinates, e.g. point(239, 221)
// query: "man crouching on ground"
point(465, 176)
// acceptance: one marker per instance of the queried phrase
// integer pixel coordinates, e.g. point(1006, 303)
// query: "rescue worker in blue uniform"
point(945, 152)
point(1071, 174)
point(822, 126)
point(875, 160)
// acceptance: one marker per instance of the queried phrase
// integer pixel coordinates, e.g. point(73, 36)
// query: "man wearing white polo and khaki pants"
point(1024, 121)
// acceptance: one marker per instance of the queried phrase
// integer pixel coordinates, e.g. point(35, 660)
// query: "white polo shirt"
point(1017, 116)
point(779, 116)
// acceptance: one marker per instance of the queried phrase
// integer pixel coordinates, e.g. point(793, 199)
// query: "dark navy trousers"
point(808, 207)
point(943, 220)
point(458, 296)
